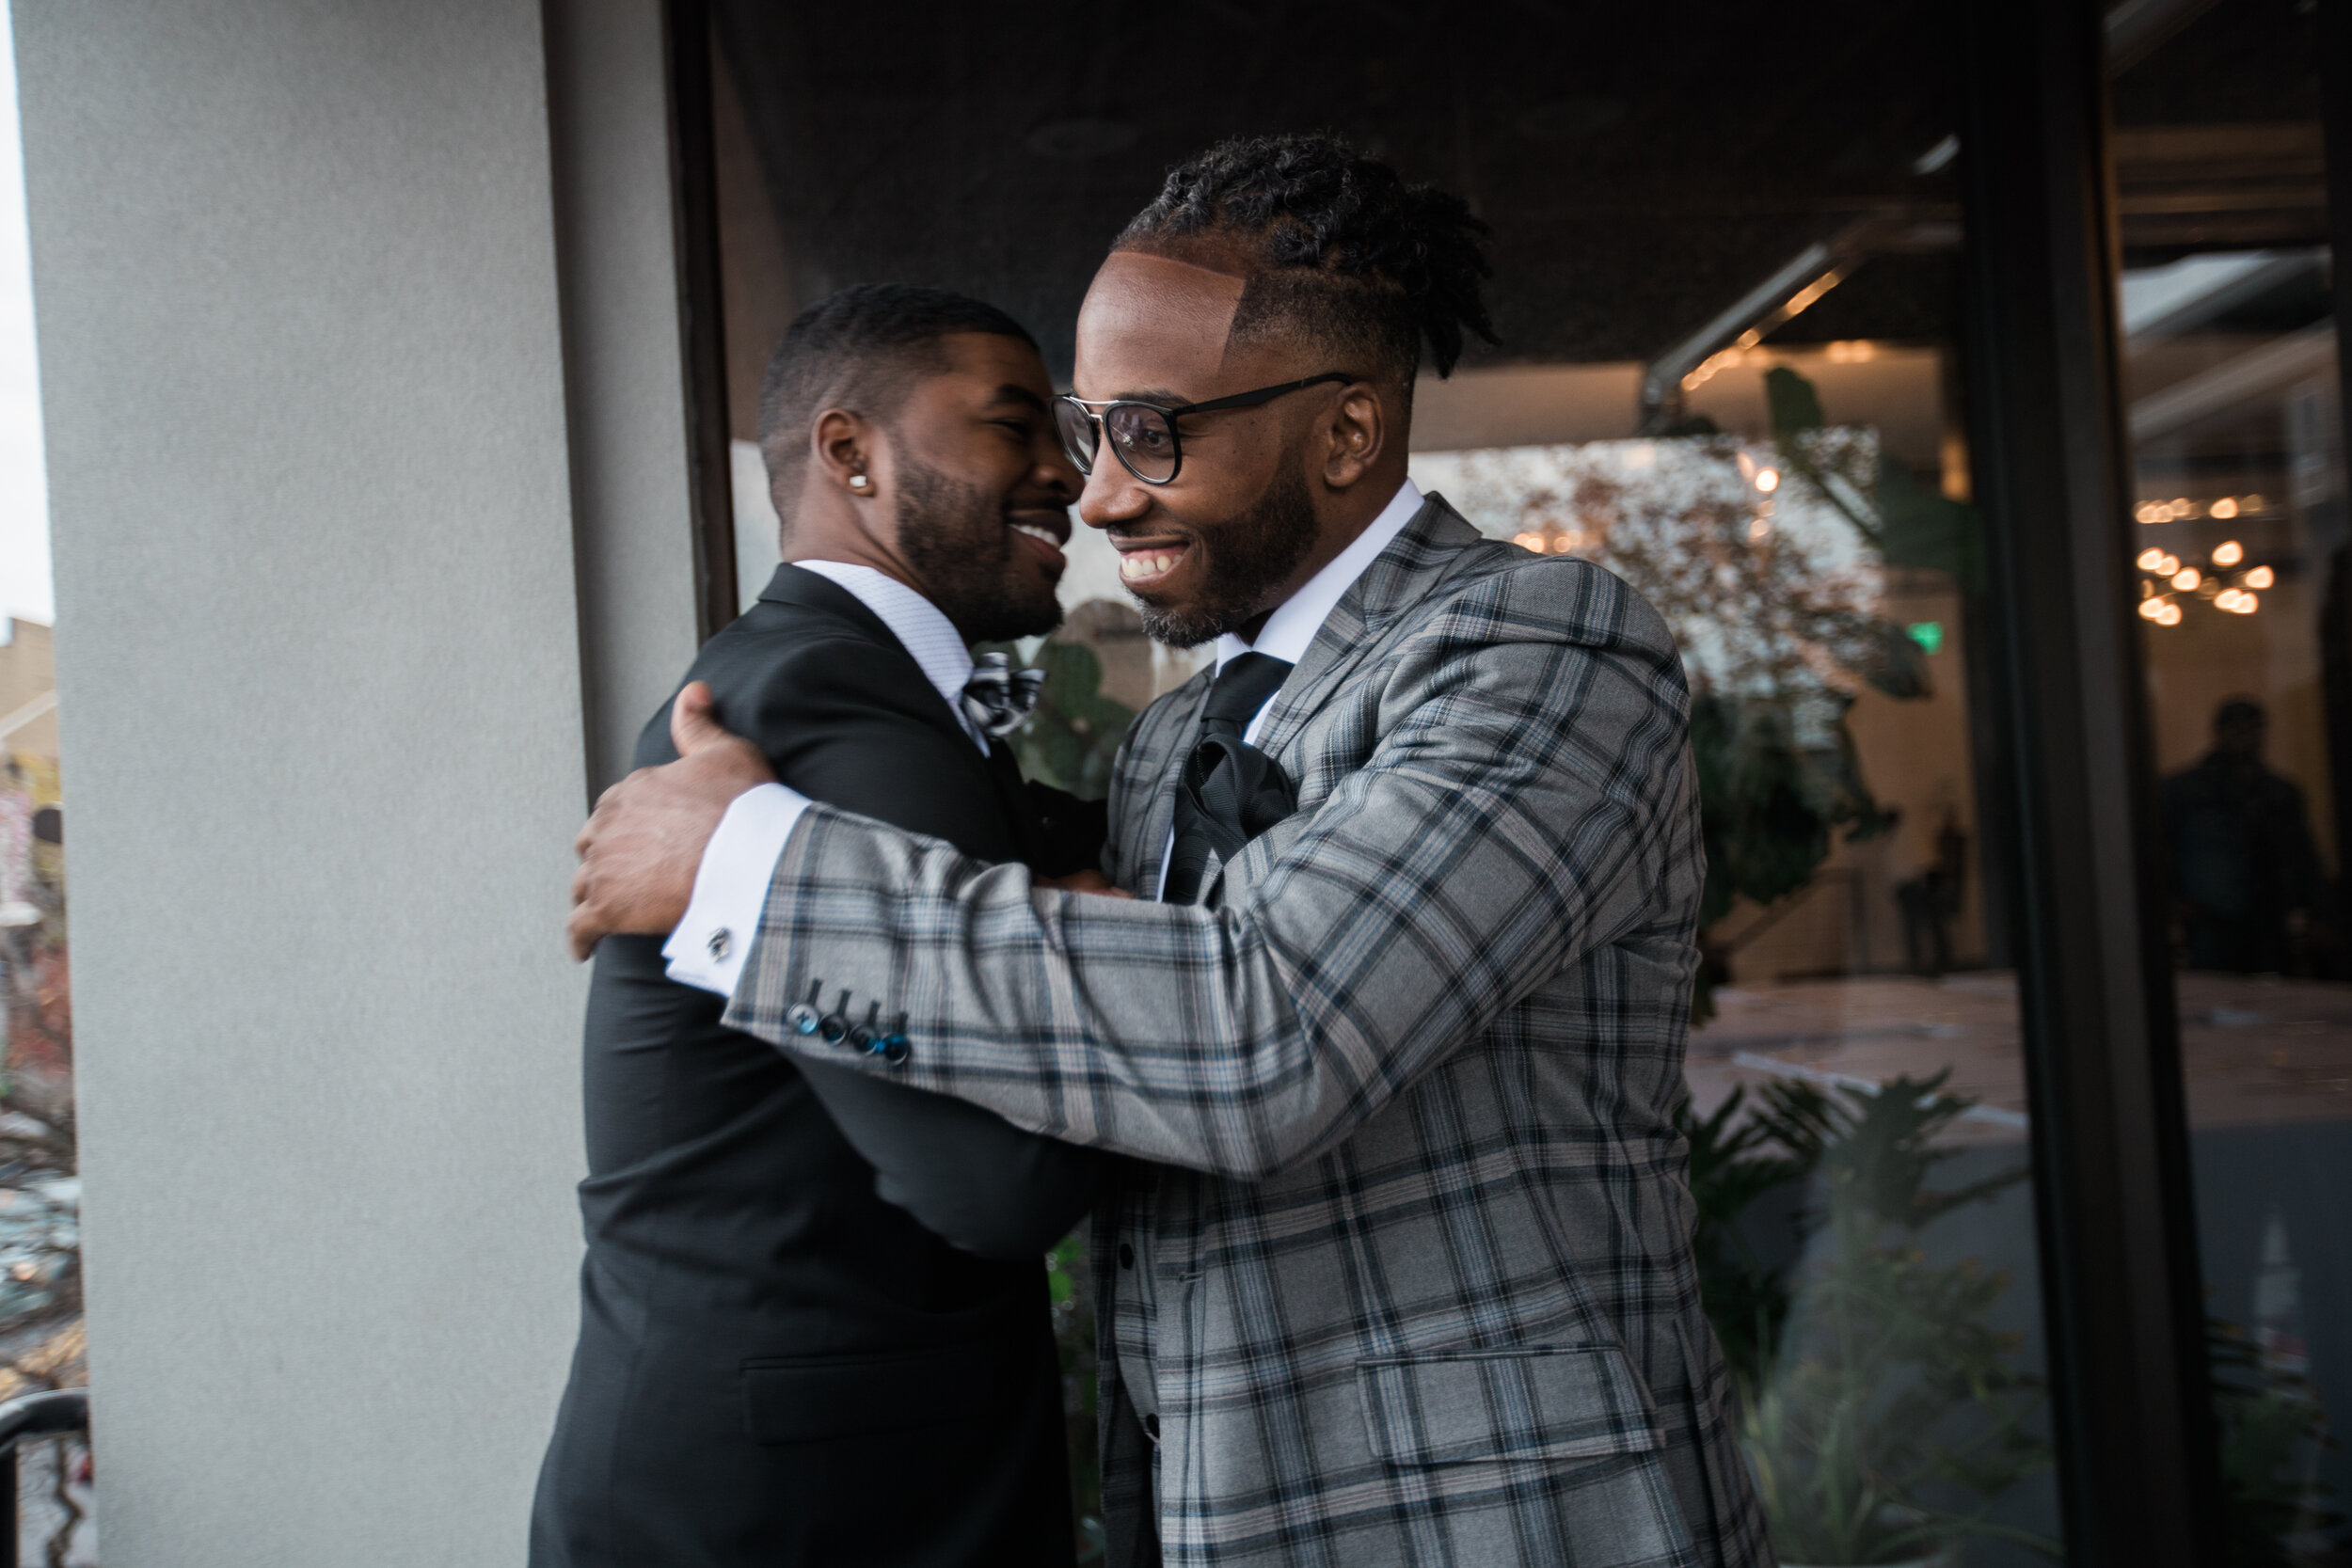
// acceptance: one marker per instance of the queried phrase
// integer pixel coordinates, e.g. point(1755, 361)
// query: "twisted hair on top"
point(1340, 247)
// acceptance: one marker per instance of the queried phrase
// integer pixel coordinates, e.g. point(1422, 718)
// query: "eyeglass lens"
point(1141, 437)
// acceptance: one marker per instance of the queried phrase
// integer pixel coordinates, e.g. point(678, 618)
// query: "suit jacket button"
point(1152, 1428)
point(1126, 1256)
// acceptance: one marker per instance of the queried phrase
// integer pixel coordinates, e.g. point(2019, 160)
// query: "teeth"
point(1036, 533)
point(1145, 564)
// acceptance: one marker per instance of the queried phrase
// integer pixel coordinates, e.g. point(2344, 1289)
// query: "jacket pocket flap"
point(815, 1398)
point(1562, 1401)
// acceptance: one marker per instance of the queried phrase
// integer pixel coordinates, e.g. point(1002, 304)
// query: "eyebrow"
point(1152, 394)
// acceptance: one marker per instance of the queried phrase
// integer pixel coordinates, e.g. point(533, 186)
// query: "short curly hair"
point(863, 347)
point(1339, 248)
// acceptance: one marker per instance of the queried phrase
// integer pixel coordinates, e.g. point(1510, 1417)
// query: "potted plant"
point(1882, 1413)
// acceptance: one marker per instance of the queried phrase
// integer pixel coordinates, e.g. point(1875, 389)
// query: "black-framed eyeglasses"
point(1143, 435)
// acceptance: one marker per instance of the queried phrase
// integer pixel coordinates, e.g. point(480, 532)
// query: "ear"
point(844, 452)
point(1356, 432)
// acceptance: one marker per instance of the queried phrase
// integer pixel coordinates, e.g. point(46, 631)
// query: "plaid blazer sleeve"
point(1525, 790)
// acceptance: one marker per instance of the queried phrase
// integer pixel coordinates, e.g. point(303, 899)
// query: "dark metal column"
point(2109, 1141)
point(699, 303)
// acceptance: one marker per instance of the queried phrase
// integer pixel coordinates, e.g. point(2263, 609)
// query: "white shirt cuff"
point(706, 949)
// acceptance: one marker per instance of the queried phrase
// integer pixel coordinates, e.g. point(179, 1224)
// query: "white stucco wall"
point(319, 652)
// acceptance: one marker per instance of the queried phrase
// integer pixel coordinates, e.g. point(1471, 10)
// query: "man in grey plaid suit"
point(1397, 1009)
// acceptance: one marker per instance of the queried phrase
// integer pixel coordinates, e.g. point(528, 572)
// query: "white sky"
point(24, 485)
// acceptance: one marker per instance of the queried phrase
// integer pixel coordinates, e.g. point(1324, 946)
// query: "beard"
point(956, 537)
point(1254, 554)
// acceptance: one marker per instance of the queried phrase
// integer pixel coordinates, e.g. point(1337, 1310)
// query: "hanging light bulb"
point(2151, 558)
point(2260, 577)
point(2225, 508)
point(2169, 615)
point(2186, 578)
point(2229, 552)
point(2152, 610)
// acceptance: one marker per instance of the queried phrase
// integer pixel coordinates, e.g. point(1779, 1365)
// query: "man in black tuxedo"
point(814, 1326)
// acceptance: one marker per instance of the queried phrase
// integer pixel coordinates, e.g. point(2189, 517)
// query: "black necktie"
point(1228, 792)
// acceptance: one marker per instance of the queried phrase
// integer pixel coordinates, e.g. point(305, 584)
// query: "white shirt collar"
point(915, 620)
point(1294, 623)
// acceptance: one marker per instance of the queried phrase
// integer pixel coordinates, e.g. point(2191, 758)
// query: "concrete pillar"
point(318, 524)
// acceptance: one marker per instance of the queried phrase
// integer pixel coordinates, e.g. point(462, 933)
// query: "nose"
point(1112, 495)
point(1054, 470)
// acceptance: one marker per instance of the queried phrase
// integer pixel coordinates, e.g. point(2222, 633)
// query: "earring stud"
point(857, 481)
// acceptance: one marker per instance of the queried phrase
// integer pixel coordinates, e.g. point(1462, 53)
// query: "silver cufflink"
point(721, 942)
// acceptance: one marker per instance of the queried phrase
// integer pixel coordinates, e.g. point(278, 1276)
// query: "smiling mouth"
point(1142, 566)
point(1047, 539)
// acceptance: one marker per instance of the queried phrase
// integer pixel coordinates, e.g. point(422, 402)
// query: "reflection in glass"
point(2240, 545)
point(1857, 1128)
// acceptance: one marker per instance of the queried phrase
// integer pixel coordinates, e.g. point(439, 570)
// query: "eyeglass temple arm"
point(1264, 394)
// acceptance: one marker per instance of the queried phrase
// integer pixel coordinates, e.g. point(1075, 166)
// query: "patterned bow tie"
point(998, 697)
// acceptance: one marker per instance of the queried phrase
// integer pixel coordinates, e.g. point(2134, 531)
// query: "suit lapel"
point(1004, 772)
point(1415, 562)
point(1171, 741)
point(800, 590)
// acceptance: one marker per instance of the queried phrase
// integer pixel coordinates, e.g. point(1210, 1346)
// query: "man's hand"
point(641, 847)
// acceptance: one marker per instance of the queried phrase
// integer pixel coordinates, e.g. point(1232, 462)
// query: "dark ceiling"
point(1641, 165)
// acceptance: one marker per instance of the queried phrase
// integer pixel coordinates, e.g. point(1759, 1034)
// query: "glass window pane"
point(2233, 403)
point(1726, 281)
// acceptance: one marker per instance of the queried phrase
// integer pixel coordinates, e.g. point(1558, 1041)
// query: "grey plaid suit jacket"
point(1417, 1225)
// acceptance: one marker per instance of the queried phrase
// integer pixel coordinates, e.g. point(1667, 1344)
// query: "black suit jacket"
point(814, 1327)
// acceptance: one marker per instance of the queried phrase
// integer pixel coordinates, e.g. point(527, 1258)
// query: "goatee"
point(956, 538)
point(1253, 555)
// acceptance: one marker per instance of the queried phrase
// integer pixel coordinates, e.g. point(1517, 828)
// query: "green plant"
point(1070, 1287)
point(1873, 1389)
point(2269, 1422)
point(1074, 734)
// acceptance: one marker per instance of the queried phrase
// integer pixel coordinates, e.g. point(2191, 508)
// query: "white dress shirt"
point(731, 885)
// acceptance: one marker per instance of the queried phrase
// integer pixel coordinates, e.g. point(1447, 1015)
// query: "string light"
point(2186, 578)
point(2229, 552)
point(2225, 508)
point(1768, 480)
point(2260, 577)
point(2151, 558)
